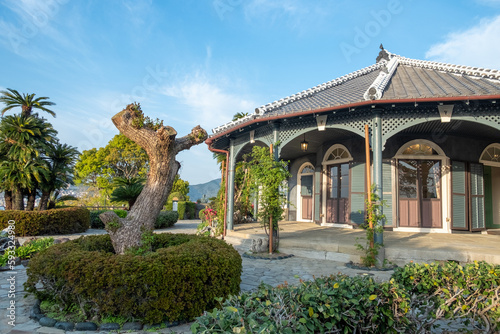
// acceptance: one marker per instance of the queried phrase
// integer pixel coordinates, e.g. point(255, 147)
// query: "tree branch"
point(197, 136)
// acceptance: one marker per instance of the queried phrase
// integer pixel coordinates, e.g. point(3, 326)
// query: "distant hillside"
point(210, 189)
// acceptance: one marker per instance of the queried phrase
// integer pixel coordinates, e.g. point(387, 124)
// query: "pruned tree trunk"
point(30, 205)
point(18, 203)
point(162, 147)
point(8, 199)
point(44, 200)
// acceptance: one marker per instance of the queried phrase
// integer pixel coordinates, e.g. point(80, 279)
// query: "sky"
point(199, 62)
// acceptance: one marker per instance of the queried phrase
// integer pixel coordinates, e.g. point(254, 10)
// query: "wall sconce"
point(304, 144)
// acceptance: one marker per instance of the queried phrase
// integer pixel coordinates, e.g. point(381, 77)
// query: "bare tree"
point(162, 146)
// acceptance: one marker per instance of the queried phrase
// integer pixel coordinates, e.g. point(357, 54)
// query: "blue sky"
point(201, 61)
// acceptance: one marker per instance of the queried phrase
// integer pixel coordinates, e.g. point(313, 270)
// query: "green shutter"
point(387, 191)
point(477, 196)
point(357, 193)
point(459, 203)
point(317, 194)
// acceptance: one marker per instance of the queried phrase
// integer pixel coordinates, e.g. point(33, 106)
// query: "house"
point(434, 130)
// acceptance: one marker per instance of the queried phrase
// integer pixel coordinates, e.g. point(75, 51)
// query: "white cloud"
point(477, 46)
point(207, 102)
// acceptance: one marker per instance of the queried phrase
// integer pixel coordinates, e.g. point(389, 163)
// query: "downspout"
point(215, 150)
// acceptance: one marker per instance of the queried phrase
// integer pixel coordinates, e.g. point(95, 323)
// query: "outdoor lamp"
point(304, 144)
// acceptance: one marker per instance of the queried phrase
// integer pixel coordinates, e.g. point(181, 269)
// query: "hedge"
point(165, 218)
point(186, 210)
point(178, 281)
point(47, 222)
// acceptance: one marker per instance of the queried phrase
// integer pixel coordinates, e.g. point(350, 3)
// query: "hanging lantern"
point(304, 145)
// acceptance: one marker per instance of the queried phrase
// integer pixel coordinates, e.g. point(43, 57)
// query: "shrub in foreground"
point(47, 222)
point(177, 281)
point(337, 304)
point(470, 292)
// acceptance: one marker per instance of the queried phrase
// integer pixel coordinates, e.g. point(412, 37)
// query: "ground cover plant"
point(415, 299)
point(27, 250)
point(177, 279)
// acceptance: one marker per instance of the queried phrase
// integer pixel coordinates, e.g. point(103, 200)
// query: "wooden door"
point(419, 183)
point(306, 192)
point(467, 196)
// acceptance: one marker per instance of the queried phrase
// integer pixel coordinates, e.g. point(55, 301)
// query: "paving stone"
point(50, 330)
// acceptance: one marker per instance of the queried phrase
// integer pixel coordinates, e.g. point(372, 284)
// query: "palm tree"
point(127, 190)
point(22, 142)
point(12, 99)
point(60, 160)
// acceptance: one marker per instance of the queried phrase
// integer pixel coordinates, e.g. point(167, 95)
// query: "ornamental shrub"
point(452, 291)
point(28, 249)
point(177, 281)
point(166, 219)
point(47, 222)
point(95, 221)
point(335, 304)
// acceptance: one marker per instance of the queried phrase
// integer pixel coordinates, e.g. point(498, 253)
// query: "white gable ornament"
point(445, 112)
point(321, 120)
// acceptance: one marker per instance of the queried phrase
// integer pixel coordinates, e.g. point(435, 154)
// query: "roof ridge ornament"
point(383, 54)
point(451, 68)
point(376, 89)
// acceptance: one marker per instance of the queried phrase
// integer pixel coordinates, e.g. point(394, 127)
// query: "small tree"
point(161, 146)
point(373, 225)
point(266, 178)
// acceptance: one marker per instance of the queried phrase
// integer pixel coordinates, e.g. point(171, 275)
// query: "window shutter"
point(459, 202)
point(387, 191)
point(358, 193)
point(477, 196)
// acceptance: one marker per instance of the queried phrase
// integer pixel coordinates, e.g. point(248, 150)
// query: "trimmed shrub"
point(95, 221)
point(190, 210)
point(166, 219)
point(55, 221)
point(453, 291)
point(186, 210)
point(177, 281)
point(336, 304)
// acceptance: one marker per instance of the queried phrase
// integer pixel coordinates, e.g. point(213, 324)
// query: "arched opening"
point(420, 184)
point(305, 195)
point(336, 185)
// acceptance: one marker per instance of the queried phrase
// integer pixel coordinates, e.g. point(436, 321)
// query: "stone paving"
point(273, 272)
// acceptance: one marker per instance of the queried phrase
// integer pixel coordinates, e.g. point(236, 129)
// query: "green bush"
point(453, 291)
point(28, 249)
point(95, 221)
point(177, 281)
point(186, 210)
point(166, 219)
point(336, 304)
point(55, 221)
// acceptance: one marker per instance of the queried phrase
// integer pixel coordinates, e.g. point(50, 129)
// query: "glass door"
point(337, 202)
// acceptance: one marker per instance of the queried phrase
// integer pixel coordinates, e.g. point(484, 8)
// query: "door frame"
point(299, 192)
point(445, 186)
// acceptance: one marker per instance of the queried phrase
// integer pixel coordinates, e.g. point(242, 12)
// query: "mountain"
point(209, 189)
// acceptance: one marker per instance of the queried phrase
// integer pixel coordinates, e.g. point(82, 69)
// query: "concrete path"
point(273, 272)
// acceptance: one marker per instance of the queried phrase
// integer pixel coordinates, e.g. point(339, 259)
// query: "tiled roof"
point(392, 77)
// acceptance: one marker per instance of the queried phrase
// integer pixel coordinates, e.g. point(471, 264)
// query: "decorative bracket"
point(445, 112)
point(321, 120)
